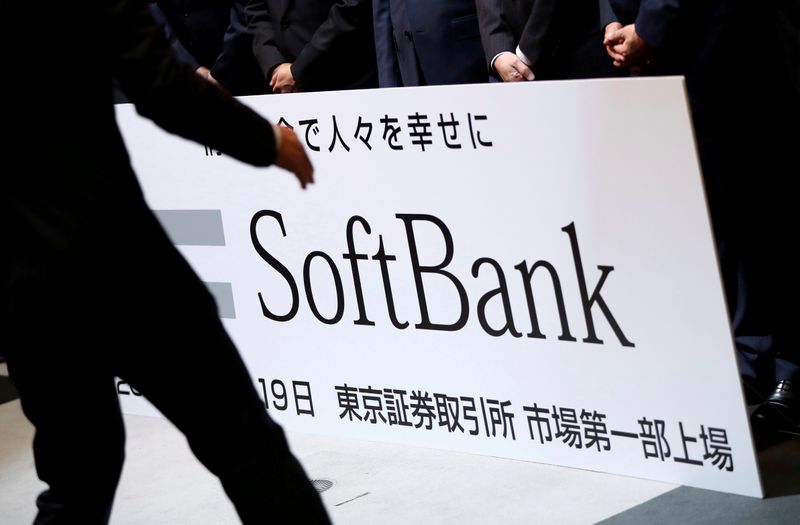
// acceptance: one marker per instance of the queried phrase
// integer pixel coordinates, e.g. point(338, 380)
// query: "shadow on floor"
point(779, 464)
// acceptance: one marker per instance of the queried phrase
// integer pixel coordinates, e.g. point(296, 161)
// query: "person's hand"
point(212, 79)
point(206, 74)
point(608, 41)
point(292, 157)
point(512, 69)
point(627, 48)
point(282, 79)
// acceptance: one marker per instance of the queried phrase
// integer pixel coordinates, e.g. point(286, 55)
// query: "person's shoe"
point(781, 410)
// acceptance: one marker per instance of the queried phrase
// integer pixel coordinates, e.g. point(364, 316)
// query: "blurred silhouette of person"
point(93, 288)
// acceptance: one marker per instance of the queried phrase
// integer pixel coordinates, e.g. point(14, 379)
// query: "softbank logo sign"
point(200, 228)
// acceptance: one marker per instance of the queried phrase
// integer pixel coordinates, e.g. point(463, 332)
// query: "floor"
point(380, 483)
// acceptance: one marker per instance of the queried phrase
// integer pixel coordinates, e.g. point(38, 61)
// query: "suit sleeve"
point(496, 35)
point(658, 21)
point(265, 48)
point(169, 33)
point(236, 43)
point(346, 17)
point(607, 14)
point(538, 30)
point(385, 55)
point(168, 92)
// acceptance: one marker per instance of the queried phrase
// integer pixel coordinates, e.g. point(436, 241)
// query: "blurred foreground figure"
point(93, 288)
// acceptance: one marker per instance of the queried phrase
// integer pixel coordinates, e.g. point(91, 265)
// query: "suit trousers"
point(188, 367)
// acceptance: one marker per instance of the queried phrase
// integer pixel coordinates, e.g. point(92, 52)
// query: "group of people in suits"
point(734, 88)
point(315, 45)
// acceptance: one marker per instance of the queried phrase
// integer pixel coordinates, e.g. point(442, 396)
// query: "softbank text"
point(591, 301)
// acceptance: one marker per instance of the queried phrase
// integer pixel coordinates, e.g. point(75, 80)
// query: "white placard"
point(624, 363)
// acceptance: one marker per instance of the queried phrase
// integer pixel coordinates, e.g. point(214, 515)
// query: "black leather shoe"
point(781, 410)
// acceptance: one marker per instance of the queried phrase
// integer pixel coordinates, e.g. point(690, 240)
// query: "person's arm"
point(537, 32)
point(499, 44)
point(168, 92)
point(265, 48)
point(610, 24)
point(345, 17)
point(496, 36)
point(385, 54)
point(658, 22)
point(656, 27)
point(607, 14)
point(172, 38)
point(236, 43)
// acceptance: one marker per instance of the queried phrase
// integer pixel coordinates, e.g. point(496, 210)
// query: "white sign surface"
point(523, 271)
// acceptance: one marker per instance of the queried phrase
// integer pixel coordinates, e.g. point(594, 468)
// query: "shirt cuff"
point(491, 64)
point(522, 57)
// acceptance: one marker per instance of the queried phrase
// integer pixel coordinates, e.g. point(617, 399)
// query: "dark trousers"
point(191, 371)
point(749, 163)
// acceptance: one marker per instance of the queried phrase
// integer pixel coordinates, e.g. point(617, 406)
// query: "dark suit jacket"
point(558, 37)
point(420, 42)
point(702, 40)
point(745, 115)
point(213, 34)
point(329, 42)
point(80, 241)
point(677, 29)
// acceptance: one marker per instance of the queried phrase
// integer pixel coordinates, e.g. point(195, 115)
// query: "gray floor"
point(694, 507)
point(379, 483)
